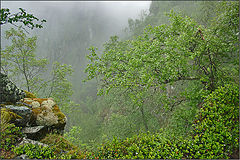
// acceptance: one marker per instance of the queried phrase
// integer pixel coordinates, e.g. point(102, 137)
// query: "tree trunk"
point(144, 118)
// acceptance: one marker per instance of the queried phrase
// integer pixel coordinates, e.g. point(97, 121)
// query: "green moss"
point(29, 95)
point(61, 117)
point(40, 100)
point(59, 141)
point(56, 109)
point(59, 114)
point(36, 111)
point(7, 103)
point(8, 116)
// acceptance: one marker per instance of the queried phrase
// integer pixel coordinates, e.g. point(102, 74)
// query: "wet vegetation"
point(164, 87)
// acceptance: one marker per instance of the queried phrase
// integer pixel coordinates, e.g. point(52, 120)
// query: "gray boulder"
point(23, 156)
point(36, 132)
point(27, 141)
point(32, 130)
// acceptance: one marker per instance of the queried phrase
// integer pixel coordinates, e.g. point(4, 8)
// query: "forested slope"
point(167, 89)
point(166, 75)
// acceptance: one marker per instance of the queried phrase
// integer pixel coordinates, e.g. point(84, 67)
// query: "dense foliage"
point(10, 136)
point(165, 57)
point(35, 151)
point(165, 54)
point(63, 149)
point(215, 134)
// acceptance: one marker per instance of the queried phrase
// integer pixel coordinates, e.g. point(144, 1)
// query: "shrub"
point(216, 130)
point(58, 148)
point(10, 135)
point(143, 146)
point(73, 135)
point(35, 151)
point(215, 134)
point(63, 147)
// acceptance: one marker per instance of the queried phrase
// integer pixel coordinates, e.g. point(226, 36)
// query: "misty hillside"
point(133, 80)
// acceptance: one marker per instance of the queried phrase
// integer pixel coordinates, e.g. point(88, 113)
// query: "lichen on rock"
point(49, 102)
point(9, 93)
point(46, 118)
point(46, 112)
point(35, 104)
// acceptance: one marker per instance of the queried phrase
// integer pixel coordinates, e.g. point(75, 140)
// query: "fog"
point(72, 27)
point(112, 15)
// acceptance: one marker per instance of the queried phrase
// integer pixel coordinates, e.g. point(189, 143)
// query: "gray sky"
point(64, 12)
point(124, 8)
point(75, 22)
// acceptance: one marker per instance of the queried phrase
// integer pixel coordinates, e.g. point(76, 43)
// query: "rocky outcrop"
point(8, 116)
point(37, 117)
point(44, 116)
point(35, 133)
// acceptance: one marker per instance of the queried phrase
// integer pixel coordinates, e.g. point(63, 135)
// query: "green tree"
point(19, 60)
point(22, 65)
point(59, 87)
point(165, 55)
point(202, 12)
point(73, 135)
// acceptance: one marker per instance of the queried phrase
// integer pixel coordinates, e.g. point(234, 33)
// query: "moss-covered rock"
point(29, 94)
point(20, 111)
point(7, 116)
point(46, 112)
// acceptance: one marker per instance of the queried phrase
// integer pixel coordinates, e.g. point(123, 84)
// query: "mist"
point(72, 27)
